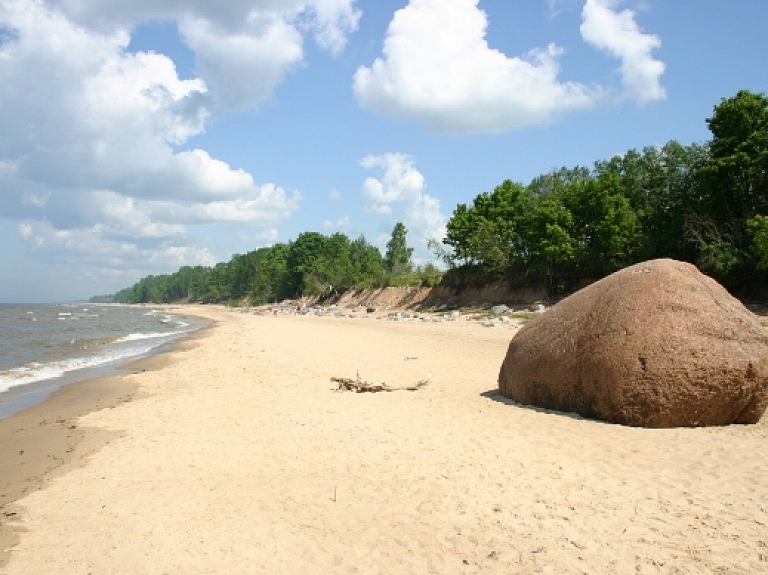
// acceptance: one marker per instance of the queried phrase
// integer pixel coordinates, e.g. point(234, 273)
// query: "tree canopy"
point(705, 204)
point(397, 260)
point(702, 203)
point(312, 265)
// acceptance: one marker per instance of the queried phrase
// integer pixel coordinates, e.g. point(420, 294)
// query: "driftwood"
point(359, 386)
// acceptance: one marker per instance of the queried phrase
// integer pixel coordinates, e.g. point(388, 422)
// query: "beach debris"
point(358, 385)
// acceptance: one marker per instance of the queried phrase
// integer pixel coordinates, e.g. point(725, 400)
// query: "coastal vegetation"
point(706, 204)
point(312, 265)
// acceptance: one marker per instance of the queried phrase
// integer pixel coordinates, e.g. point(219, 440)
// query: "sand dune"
point(238, 456)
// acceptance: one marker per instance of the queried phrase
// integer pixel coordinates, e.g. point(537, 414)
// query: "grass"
point(523, 315)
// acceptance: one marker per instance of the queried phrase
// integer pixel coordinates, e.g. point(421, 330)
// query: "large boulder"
point(657, 344)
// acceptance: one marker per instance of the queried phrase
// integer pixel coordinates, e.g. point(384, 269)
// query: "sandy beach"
point(235, 453)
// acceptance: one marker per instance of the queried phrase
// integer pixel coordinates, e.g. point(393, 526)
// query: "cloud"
point(335, 225)
point(266, 237)
point(438, 68)
point(243, 66)
point(619, 34)
point(332, 21)
point(243, 48)
point(89, 163)
point(401, 181)
point(118, 232)
point(85, 248)
point(400, 192)
point(556, 7)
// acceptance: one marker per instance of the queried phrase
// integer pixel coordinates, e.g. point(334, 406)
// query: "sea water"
point(43, 347)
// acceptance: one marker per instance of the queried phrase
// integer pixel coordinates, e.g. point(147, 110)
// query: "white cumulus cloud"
point(619, 34)
point(243, 48)
point(438, 68)
point(401, 181)
point(400, 191)
point(243, 66)
point(89, 164)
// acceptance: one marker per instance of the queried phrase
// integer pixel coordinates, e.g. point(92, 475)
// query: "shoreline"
point(21, 397)
point(242, 457)
point(44, 440)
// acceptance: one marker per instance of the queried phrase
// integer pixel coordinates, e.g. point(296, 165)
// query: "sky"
point(139, 136)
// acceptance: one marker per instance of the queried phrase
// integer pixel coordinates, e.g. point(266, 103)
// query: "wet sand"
point(45, 440)
point(237, 455)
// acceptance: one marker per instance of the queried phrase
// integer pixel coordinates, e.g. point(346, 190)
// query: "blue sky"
point(137, 136)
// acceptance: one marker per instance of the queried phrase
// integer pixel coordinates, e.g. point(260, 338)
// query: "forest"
point(312, 265)
point(704, 203)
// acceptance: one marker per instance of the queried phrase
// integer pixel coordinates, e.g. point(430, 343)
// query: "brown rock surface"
point(657, 344)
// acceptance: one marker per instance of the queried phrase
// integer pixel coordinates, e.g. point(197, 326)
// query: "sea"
point(46, 346)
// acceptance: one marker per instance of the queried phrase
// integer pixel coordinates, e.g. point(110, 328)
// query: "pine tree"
point(398, 257)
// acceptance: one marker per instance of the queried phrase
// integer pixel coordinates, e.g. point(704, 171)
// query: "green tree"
point(549, 230)
point(734, 186)
point(367, 263)
point(301, 258)
point(738, 163)
point(757, 228)
point(660, 183)
point(489, 232)
point(550, 186)
point(271, 281)
point(218, 286)
point(397, 259)
point(429, 275)
point(605, 228)
point(331, 269)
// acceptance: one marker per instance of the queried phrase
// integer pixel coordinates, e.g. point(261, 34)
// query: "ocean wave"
point(153, 335)
point(35, 371)
point(82, 343)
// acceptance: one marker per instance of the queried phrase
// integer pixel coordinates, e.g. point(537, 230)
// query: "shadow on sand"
point(495, 395)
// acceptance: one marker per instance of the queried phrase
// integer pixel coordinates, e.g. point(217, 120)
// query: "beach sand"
point(237, 455)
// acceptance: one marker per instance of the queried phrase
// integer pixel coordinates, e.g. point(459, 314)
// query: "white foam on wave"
point(122, 349)
point(141, 336)
point(27, 374)
point(34, 372)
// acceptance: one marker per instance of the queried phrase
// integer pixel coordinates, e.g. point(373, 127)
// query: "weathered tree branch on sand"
point(359, 386)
